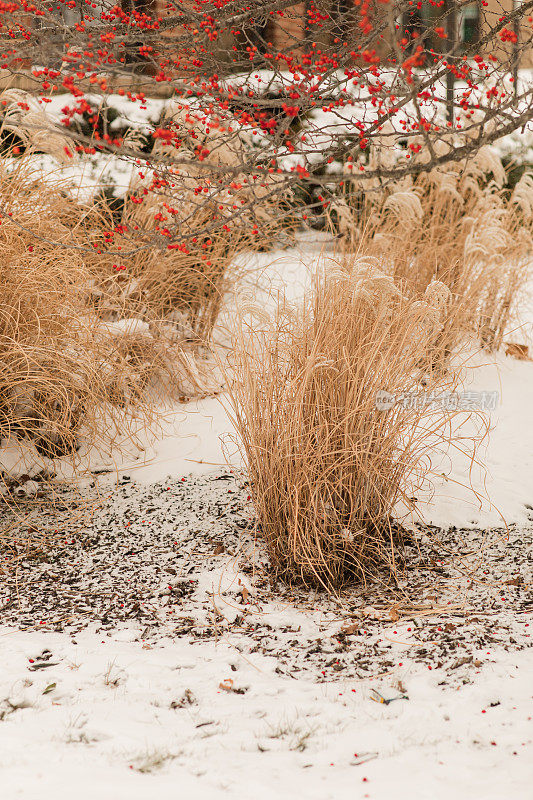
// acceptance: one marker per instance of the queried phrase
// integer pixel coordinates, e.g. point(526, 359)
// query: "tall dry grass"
point(136, 274)
point(98, 314)
point(327, 465)
point(60, 371)
point(85, 348)
point(459, 225)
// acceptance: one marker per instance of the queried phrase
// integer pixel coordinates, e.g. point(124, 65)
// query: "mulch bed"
point(149, 557)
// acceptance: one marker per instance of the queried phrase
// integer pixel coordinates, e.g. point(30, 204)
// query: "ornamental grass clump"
point(328, 406)
point(50, 382)
point(156, 262)
point(458, 224)
point(73, 372)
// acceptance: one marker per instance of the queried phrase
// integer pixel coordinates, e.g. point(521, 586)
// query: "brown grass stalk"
point(85, 349)
point(327, 465)
point(458, 225)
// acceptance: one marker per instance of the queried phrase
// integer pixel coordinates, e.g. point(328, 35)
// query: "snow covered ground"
point(125, 721)
point(144, 654)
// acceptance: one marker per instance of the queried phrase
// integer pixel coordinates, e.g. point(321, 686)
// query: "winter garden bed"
point(175, 576)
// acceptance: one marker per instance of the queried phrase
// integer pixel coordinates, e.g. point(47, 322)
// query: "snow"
point(193, 439)
point(152, 673)
point(134, 113)
point(109, 717)
point(503, 476)
point(83, 178)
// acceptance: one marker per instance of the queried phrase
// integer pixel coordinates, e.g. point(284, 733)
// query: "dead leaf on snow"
point(227, 686)
point(350, 629)
point(461, 661)
point(515, 350)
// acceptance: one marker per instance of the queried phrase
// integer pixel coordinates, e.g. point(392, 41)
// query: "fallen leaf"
point(349, 630)
point(227, 686)
point(461, 661)
point(50, 688)
point(520, 351)
point(449, 627)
